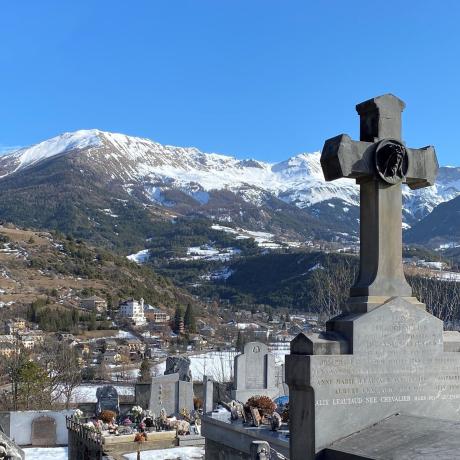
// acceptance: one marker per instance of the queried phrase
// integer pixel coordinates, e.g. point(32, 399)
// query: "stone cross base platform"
point(400, 437)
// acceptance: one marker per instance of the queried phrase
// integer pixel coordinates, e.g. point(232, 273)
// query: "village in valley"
point(55, 364)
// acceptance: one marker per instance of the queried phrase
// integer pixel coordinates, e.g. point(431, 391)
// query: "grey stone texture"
point(179, 365)
point(208, 394)
point(255, 373)
point(451, 341)
point(232, 441)
point(398, 365)
point(381, 270)
point(170, 393)
point(43, 431)
point(142, 393)
point(400, 438)
point(260, 450)
point(9, 449)
point(190, 440)
point(5, 423)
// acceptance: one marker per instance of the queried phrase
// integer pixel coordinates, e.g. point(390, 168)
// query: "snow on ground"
point(208, 252)
point(223, 274)
point(139, 257)
point(219, 364)
point(47, 453)
point(108, 212)
point(448, 276)
point(317, 266)
point(125, 335)
point(222, 228)
point(435, 265)
point(176, 453)
point(263, 239)
point(449, 245)
point(87, 393)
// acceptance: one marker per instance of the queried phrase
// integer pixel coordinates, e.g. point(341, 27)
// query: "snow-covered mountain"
point(216, 185)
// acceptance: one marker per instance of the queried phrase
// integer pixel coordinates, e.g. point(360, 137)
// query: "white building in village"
point(133, 311)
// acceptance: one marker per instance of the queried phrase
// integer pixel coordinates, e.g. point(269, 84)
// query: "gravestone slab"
point(208, 394)
point(398, 365)
point(171, 394)
point(254, 373)
point(107, 399)
point(43, 431)
point(185, 396)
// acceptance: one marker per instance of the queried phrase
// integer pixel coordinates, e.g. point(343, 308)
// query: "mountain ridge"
point(184, 180)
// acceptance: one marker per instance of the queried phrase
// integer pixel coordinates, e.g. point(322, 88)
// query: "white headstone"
point(254, 373)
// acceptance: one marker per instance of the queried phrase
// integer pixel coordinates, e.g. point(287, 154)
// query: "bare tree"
point(64, 372)
point(441, 296)
point(331, 284)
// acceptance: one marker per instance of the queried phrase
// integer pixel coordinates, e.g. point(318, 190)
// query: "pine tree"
point(178, 318)
point(92, 322)
point(240, 342)
point(189, 319)
point(145, 371)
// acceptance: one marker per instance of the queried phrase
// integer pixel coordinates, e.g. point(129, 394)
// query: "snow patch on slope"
point(139, 257)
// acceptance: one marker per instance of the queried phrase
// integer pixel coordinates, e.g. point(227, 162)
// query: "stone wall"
point(142, 394)
point(20, 425)
point(217, 451)
point(232, 441)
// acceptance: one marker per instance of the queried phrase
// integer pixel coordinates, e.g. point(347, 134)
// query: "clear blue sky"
point(259, 78)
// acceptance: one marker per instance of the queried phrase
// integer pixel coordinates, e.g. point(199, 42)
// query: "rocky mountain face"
point(113, 186)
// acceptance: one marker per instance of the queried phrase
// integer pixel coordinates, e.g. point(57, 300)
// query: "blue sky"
point(253, 78)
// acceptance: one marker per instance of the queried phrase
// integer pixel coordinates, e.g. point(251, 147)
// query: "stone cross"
point(380, 163)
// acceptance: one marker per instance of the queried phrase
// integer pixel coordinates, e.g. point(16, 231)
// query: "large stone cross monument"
point(380, 163)
point(385, 353)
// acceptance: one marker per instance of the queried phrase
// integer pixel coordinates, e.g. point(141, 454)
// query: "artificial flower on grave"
point(89, 426)
point(137, 411)
point(127, 421)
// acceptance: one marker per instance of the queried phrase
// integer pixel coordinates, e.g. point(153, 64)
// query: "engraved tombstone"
point(170, 393)
point(43, 431)
point(254, 373)
point(385, 353)
point(107, 399)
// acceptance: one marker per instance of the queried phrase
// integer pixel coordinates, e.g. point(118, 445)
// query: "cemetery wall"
point(20, 427)
point(216, 450)
point(232, 441)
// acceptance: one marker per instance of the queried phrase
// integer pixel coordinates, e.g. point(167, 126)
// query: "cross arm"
point(343, 157)
point(422, 167)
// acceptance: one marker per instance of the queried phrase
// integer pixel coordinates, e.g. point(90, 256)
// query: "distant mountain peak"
point(81, 139)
